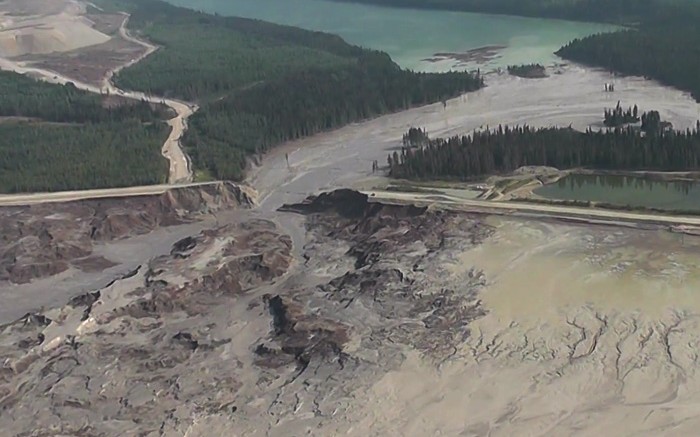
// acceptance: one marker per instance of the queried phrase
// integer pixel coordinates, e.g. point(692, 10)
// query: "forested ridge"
point(55, 137)
point(505, 149)
point(259, 84)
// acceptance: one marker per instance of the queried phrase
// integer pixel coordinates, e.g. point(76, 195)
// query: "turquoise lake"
point(412, 36)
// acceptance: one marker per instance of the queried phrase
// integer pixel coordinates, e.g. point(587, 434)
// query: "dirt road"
point(587, 215)
point(67, 196)
point(580, 330)
point(180, 170)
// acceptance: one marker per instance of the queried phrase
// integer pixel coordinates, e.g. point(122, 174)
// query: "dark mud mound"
point(347, 203)
point(352, 204)
point(299, 337)
point(398, 256)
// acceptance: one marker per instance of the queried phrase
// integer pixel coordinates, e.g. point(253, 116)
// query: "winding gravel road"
point(180, 170)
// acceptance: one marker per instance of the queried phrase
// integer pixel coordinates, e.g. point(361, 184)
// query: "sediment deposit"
point(42, 240)
point(395, 320)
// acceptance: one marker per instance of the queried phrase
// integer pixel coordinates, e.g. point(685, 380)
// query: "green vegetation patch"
point(668, 52)
point(25, 97)
point(50, 157)
point(205, 60)
point(506, 149)
point(55, 138)
point(528, 71)
point(260, 84)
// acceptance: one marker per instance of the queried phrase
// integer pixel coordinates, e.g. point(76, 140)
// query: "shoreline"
point(520, 188)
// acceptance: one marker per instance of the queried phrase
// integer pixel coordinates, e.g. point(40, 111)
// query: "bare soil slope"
point(46, 239)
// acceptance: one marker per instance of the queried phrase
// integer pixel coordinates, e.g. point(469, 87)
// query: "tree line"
point(665, 52)
point(259, 84)
point(252, 121)
point(54, 157)
point(56, 137)
point(651, 121)
point(26, 97)
point(618, 117)
point(505, 149)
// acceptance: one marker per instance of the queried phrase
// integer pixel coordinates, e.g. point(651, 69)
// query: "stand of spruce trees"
point(505, 149)
point(55, 137)
point(617, 117)
point(259, 84)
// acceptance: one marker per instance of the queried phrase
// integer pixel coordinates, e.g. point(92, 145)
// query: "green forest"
point(55, 137)
point(26, 97)
point(260, 84)
point(662, 41)
point(668, 52)
point(56, 157)
point(505, 149)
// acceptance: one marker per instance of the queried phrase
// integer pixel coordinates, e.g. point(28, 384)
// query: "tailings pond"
point(625, 191)
point(414, 37)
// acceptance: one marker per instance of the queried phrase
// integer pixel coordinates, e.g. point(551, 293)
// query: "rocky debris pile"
point(149, 353)
point(298, 337)
point(351, 204)
point(399, 255)
point(227, 333)
point(375, 288)
point(46, 239)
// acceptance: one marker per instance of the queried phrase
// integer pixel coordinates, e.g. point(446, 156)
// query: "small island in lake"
point(528, 71)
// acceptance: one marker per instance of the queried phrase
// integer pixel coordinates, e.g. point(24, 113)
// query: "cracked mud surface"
point(394, 320)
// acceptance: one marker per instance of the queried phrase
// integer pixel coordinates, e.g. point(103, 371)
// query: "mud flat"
point(344, 157)
point(395, 320)
point(587, 331)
